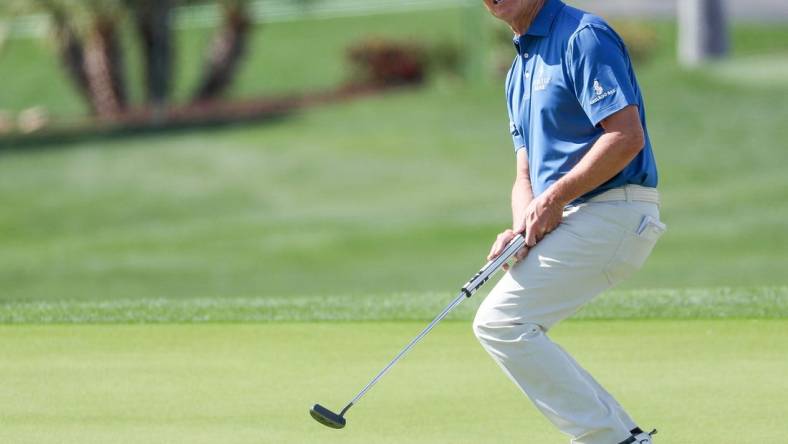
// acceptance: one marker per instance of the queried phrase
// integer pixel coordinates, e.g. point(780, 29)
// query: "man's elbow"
point(638, 142)
point(629, 135)
point(633, 141)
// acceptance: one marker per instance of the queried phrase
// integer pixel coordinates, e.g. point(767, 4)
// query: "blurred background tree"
point(226, 51)
point(87, 41)
point(87, 35)
point(153, 21)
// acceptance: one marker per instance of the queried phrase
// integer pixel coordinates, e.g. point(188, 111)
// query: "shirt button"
point(526, 55)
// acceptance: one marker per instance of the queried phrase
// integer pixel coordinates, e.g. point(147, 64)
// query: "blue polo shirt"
point(571, 72)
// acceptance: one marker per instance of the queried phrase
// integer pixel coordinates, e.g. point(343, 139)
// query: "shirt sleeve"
point(517, 136)
point(600, 70)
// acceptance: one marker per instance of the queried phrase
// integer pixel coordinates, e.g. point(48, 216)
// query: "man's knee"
point(479, 324)
point(490, 327)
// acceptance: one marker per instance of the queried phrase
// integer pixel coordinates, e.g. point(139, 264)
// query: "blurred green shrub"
point(641, 39)
point(445, 57)
point(387, 62)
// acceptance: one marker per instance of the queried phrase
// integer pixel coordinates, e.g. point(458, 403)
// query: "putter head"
point(327, 417)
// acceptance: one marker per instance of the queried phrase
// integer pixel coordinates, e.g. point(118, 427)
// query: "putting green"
point(698, 381)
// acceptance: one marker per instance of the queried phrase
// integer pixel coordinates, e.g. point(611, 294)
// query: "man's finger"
point(494, 246)
point(490, 254)
point(495, 250)
point(530, 237)
point(501, 242)
point(521, 254)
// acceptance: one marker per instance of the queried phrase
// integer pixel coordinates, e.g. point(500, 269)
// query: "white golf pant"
point(597, 244)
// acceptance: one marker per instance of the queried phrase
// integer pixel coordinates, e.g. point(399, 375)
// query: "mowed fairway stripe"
point(718, 381)
point(688, 303)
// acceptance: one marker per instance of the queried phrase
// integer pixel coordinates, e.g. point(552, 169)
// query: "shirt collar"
point(543, 22)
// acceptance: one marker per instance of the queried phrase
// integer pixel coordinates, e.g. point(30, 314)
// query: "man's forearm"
point(611, 153)
point(522, 192)
point(522, 195)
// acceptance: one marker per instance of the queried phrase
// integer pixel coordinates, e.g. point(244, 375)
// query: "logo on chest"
point(541, 80)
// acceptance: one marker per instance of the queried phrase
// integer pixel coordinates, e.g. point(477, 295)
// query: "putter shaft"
point(467, 291)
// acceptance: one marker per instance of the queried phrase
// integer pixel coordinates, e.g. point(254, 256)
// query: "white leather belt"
point(628, 193)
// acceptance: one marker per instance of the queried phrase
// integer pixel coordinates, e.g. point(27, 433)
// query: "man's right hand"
point(500, 244)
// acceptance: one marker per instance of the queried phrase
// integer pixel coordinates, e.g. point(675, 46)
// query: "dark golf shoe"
point(639, 437)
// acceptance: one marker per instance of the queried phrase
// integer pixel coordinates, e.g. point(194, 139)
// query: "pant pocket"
point(634, 249)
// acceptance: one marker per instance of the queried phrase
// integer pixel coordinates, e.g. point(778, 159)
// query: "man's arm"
point(522, 195)
point(622, 141)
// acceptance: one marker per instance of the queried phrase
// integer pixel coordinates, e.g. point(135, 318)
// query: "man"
point(584, 195)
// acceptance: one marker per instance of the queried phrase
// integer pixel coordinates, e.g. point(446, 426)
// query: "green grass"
point(701, 303)
point(332, 215)
point(699, 382)
point(353, 199)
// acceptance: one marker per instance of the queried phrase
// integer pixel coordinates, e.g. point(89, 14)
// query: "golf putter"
point(337, 421)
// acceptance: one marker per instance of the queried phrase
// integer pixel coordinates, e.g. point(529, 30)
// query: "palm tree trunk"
point(225, 52)
point(71, 53)
point(153, 21)
point(103, 62)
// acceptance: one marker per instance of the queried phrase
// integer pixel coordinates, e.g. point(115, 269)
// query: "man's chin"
point(503, 10)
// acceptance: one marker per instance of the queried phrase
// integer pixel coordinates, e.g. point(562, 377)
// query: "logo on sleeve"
point(598, 90)
point(513, 128)
point(600, 93)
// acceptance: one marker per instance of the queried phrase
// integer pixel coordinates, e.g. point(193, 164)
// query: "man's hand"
point(501, 242)
point(622, 141)
point(542, 216)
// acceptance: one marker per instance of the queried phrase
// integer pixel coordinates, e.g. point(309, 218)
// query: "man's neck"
point(521, 24)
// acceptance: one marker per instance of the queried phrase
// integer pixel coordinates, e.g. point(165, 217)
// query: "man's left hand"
point(542, 216)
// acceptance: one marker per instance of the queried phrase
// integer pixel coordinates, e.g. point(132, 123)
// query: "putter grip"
point(492, 266)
